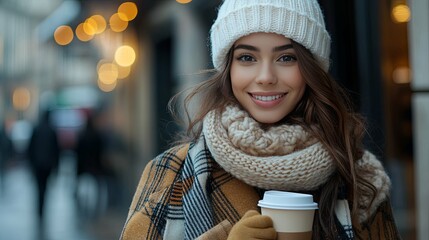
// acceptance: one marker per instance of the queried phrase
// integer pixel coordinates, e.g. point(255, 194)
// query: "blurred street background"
point(85, 84)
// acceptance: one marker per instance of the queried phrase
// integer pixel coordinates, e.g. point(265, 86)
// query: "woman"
point(271, 118)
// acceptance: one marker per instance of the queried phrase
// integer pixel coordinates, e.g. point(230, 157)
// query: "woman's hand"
point(253, 226)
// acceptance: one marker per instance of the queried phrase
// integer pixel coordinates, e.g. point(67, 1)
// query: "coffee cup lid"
point(287, 200)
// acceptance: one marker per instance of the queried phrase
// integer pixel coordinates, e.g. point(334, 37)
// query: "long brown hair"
point(214, 93)
point(325, 111)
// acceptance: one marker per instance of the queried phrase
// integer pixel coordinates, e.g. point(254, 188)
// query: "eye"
point(246, 58)
point(287, 58)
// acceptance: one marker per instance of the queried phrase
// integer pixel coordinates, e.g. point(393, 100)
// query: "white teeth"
point(267, 98)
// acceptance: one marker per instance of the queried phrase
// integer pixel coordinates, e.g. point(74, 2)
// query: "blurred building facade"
point(372, 56)
point(419, 59)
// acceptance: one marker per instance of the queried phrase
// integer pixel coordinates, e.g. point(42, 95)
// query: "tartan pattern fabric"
point(196, 204)
point(205, 186)
point(342, 213)
point(148, 212)
point(179, 197)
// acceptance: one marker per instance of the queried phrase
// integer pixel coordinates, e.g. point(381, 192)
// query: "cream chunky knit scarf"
point(283, 157)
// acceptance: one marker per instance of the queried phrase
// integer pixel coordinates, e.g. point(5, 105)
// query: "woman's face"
point(265, 76)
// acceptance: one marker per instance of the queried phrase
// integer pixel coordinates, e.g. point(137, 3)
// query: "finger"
point(258, 221)
point(264, 233)
point(251, 213)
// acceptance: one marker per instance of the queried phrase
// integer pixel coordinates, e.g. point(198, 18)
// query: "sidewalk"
point(62, 221)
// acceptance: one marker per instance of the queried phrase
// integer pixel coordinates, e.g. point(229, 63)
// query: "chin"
point(267, 121)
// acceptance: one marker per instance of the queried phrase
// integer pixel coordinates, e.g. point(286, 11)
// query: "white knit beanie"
point(299, 20)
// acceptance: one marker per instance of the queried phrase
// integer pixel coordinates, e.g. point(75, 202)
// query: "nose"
point(266, 74)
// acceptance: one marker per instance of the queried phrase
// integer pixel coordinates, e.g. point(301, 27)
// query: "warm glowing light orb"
point(108, 73)
point(100, 23)
point(63, 35)
point(125, 56)
point(106, 87)
point(81, 34)
point(401, 13)
point(183, 1)
point(117, 24)
point(21, 98)
point(401, 75)
point(123, 72)
point(90, 26)
point(127, 11)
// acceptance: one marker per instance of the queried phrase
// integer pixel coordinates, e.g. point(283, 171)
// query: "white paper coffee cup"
point(292, 213)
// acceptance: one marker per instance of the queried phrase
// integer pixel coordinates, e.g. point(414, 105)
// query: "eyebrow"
point(283, 47)
point(253, 48)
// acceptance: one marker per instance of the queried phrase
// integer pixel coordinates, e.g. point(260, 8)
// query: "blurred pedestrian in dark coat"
point(91, 188)
point(89, 150)
point(5, 153)
point(43, 155)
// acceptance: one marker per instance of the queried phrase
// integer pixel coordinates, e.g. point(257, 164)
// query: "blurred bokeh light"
point(108, 73)
point(63, 35)
point(100, 23)
point(125, 56)
point(81, 34)
point(127, 11)
point(21, 98)
point(123, 72)
point(117, 24)
point(183, 1)
point(401, 13)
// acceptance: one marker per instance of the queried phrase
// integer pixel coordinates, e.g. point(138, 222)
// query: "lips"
point(267, 100)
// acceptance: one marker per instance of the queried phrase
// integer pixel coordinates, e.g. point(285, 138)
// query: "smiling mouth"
point(267, 98)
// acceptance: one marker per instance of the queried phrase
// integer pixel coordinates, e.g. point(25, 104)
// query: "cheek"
point(301, 90)
point(237, 78)
point(301, 93)
point(233, 76)
point(296, 80)
point(300, 85)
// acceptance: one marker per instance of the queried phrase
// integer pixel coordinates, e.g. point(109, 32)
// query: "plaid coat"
point(161, 189)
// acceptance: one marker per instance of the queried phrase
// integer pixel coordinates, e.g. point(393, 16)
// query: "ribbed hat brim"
point(301, 28)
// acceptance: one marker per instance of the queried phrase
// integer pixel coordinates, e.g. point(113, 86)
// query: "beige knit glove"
point(253, 226)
